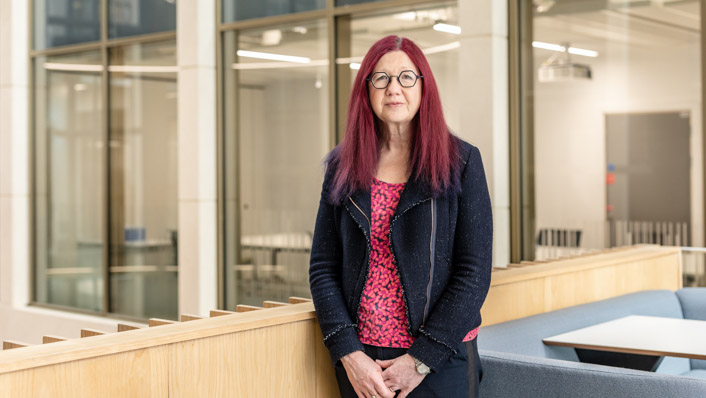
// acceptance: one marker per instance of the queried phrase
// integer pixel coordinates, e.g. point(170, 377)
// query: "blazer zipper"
point(367, 259)
point(432, 240)
point(394, 259)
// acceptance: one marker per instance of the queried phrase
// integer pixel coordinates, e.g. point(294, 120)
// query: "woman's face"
point(395, 105)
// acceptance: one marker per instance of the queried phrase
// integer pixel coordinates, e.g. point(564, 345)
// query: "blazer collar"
point(414, 193)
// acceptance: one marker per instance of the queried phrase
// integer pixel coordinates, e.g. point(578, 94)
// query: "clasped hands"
point(381, 379)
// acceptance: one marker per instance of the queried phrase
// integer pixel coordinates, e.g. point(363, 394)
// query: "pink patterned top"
point(382, 319)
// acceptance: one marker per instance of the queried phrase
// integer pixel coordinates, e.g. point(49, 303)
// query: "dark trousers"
point(457, 378)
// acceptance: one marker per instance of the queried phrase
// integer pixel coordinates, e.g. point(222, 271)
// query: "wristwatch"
point(421, 367)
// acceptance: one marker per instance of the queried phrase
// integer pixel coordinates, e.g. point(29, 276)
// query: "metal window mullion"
point(220, 165)
point(106, 161)
point(702, 4)
point(32, 230)
point(332, 86)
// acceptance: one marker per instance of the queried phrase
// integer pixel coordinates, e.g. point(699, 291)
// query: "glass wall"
point(238, 10)
point(358, 32)
point(65, 22)
point(143, 177)
point(276, 135)
point(130, 17)
point(617, 124)
point(69, 175)
point(105, 193)
point(278, 127)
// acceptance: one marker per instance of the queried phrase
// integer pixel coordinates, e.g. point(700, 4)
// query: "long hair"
point(434, 154)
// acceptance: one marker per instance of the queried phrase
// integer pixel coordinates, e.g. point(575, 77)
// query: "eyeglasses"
point(406, 79)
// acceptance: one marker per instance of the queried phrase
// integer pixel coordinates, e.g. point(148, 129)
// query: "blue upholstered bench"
point(516, 362)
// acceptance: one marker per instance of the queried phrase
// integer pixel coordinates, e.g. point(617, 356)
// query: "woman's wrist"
point(348, 358)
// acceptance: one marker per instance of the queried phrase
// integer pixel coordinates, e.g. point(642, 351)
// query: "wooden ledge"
point(593, 261)
point(113, 343)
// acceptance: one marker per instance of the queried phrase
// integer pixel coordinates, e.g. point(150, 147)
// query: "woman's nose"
point(394, 85)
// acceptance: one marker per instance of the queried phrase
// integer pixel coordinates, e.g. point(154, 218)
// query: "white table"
point(637, 342)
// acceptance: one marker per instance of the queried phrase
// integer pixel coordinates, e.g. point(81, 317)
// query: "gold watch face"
point(423, 369)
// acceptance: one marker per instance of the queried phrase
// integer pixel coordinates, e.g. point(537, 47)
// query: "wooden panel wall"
point(278, 352)
point(534, 289)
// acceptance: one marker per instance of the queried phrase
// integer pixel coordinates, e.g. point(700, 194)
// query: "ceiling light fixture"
point(442, 27)
point(561, 49)
point(273, 57)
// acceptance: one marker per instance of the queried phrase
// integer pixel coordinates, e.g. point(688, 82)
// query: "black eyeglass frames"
point(406, 79)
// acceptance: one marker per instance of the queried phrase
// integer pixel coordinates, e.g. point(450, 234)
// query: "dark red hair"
point(434, 158)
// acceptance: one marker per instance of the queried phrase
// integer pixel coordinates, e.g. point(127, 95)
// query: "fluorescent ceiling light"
point(561, 49)
point(442, 27)
point(442, 48)
point(547, 46)
point(73, 67)
point(580, 51)
point(354, 65)
point(406, 16)
point(277, 65)
point(273, 57)
point(143, 68)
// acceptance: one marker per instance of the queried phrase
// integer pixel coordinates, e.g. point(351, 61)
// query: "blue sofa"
point(517, 364)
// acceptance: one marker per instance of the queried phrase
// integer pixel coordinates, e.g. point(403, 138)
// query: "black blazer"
point(443, 251)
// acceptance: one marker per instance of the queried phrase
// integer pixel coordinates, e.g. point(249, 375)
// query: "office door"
point(648, 174)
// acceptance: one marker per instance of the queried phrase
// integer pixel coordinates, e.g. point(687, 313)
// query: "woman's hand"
point(401, 374)
point(365, 376)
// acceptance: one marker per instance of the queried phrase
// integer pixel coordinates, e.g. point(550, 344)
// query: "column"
point(483, 76)
point(14, 154)
point(196, 30)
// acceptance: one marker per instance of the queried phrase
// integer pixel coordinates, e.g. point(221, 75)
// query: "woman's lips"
point(394, 104)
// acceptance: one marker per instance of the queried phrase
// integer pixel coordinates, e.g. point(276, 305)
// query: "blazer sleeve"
point(458, 309)
point(339, 331)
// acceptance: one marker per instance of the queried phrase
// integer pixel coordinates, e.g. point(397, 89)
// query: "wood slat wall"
point(279, 351)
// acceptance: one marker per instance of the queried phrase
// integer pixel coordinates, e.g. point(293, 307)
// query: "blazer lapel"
point(413, 194)
point(358, 206)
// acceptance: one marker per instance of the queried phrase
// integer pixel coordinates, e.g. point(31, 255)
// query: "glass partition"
point(276, 135)
point(143, 178)
point(421, 24)
point(238, 10)
point(64, 22)
point(68, 185)
point(617, 122)
point(130, 17)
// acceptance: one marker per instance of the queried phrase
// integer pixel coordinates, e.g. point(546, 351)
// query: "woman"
point(401, 255)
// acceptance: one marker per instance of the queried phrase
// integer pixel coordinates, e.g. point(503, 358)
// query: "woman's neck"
point(393, 163)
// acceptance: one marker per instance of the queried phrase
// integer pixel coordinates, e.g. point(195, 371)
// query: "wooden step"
point(52, 339)
point(299, 300)
point(10, 344)
point(159, 322)
point(91, 333)
point(273, 304)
